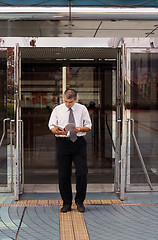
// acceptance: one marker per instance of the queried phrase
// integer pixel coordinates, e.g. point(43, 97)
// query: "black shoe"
point(66, 208)
point(80, 208)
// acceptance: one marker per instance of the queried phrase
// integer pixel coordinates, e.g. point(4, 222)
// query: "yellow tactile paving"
point(43, 202)
point(22, 202)
point(95, 202)
point(80, 228)
point(60, 202)
point(53, 202)
point(106, 202)
point(72, 225)
point(87, 202)
point(32, 202)
point(66, 226)
point(116, 201)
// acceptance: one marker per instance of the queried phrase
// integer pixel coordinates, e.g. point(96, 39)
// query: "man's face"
point(69, 102)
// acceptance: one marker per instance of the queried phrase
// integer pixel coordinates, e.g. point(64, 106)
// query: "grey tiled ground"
point(103, 222)
point(117, 222)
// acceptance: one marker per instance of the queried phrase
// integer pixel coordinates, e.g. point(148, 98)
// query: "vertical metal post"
point(11, 152)
point(127, 115)
point(17, 159)
point(21, 157)
point(124, 128)
point(118, 119)
point(11, 157)
point(127, 148)
point(20, 124)
point(63, 80)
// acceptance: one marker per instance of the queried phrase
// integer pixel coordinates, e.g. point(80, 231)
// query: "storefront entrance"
point(35, 84)
point(42, 84)
point(119, 88)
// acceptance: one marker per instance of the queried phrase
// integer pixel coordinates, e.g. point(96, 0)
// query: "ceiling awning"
point(110, 3)
point(58, 13)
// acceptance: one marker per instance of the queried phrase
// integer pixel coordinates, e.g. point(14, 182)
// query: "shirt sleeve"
point(53, 119)
point(86, 119)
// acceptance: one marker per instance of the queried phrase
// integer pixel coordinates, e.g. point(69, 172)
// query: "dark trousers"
point(67, 151)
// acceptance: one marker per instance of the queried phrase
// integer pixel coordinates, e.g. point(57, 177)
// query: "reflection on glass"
point(93, 83)
point(40, 89)
point(144, 110)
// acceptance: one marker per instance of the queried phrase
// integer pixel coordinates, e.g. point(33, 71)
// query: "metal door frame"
point(118, 124)
point(120, 156)
point(19, 129)
point(54, 42)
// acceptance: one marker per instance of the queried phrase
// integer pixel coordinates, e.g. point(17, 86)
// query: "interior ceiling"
point(79, 28)
point(68, 53)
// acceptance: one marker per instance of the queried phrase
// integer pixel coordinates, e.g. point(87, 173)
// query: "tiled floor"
point(55, 188)
point(135, 218)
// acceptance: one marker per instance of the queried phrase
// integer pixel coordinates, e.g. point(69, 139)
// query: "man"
point(71, 146)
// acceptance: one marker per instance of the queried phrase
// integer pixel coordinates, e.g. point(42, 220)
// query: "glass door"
point(6, 115)
point(41, 91)
point(42, 85)
point(142, 113)
point(96, 86)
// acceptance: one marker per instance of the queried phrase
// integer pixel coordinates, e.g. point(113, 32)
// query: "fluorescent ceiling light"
point(90, 10)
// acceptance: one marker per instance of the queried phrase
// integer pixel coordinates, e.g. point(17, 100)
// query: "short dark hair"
point(70, 93)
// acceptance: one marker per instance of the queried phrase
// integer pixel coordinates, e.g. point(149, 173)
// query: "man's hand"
point(57, 131)
point(79, 129)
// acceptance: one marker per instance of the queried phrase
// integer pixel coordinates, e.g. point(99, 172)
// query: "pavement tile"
point(104, 222)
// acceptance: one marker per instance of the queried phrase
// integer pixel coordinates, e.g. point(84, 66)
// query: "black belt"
point(68, 138)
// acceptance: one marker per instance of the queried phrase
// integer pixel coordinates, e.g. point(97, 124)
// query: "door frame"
point(54, 42)
point(115, 81)
point(18, 165)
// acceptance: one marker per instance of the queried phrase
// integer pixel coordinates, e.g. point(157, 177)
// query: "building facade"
point(108, 52)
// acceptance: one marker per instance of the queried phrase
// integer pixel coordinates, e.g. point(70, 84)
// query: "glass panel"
point(41, 90)
point(3, 115)
point(144, 110)
point(94, 84)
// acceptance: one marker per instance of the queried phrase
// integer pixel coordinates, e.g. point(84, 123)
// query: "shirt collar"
point(73, 107)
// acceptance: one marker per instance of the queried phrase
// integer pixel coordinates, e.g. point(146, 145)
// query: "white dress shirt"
point(60, 117)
